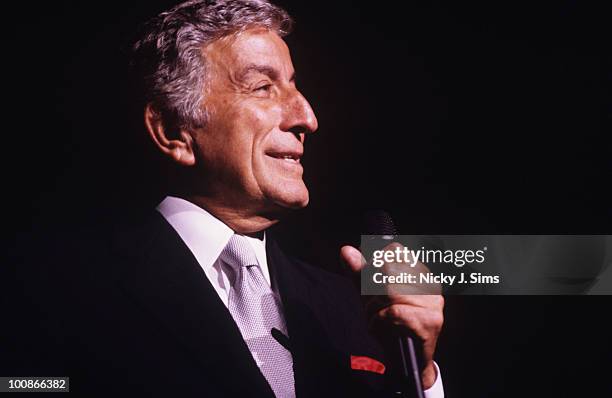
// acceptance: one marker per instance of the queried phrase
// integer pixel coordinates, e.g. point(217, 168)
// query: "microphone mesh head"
point(378, 222)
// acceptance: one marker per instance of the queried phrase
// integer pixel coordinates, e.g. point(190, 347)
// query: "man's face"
point(250, 150)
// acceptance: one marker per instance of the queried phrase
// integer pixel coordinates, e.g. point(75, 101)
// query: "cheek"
point(249, 119)
point(260, 121)
point(239, 132)
point(256, 127)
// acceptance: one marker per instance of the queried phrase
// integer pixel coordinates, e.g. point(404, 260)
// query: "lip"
point(295, 156)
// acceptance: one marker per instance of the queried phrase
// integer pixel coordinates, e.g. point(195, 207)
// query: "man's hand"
point(422, 315)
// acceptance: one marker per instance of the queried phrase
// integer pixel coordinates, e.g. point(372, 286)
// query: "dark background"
point(478, 117)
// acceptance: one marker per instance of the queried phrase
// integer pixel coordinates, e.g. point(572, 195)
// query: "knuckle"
point(395, 311)
point(439, 301)
point(436, 320)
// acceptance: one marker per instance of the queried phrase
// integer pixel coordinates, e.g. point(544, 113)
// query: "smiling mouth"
point(288, 157)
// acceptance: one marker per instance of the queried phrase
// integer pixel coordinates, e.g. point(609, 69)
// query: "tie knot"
point(238, 252)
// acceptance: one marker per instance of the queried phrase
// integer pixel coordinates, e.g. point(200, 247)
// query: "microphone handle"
point(410, 366)
point(379, 222)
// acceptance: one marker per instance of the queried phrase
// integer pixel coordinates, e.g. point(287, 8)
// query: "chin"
point(290, 196)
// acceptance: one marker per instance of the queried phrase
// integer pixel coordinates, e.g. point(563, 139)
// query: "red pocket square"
point(367, 364)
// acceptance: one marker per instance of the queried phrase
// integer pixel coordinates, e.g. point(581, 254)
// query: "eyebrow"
point(269, 71)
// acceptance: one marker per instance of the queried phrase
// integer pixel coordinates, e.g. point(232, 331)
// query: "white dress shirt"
point(206, 236)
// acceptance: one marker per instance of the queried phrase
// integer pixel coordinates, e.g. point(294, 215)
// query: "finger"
point(378, 303)
point(435, 302)
point(353, 258)
point(423, 322)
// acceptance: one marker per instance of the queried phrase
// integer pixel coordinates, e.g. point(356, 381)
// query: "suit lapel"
point(307, 323)
point(166, 278)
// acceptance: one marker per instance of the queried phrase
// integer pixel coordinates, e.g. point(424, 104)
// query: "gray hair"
point(168, 57)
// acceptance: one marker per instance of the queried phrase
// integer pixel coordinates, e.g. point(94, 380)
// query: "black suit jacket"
point(139, 315)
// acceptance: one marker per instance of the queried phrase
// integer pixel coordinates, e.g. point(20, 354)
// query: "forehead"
point(252, 46)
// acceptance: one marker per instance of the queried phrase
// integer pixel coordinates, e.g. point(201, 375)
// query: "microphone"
point(379, 222)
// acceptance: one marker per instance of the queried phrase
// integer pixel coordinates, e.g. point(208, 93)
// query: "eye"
point(264, 87)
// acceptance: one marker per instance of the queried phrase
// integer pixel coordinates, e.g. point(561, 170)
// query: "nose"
point(298, 116)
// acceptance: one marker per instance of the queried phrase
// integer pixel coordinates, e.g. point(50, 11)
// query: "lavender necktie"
point(256, 309)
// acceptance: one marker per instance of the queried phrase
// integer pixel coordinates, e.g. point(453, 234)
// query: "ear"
point(180, 149)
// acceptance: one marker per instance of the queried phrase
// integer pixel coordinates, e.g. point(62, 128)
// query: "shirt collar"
point(205, 235)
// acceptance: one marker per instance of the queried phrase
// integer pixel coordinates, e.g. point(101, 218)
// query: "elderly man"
point(223, 103)
point(196, 299)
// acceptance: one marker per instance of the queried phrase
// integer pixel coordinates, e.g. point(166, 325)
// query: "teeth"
point(291, 159)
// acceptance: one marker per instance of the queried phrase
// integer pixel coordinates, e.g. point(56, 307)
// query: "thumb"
point(353, 258)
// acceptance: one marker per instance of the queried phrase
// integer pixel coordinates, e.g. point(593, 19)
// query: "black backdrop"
point(457, 118)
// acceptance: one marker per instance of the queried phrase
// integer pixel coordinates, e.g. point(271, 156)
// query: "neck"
point(241, 220)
